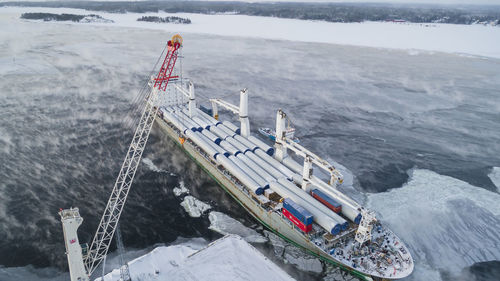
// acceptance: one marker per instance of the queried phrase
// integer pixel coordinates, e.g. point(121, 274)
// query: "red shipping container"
point(297, 222)
point(324, 199)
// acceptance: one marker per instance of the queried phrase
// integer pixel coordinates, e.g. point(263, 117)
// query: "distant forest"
point(53, 17)
point(176, 20)
point(332, 12)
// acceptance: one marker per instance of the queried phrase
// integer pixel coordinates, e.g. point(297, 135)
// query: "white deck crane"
point(283, 143)
point(82, 261)
point(241, 111)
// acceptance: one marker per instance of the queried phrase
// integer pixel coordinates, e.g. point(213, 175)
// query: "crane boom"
point(109, 220)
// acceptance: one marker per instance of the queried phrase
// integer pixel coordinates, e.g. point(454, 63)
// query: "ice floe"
point(181, 189)
point(225, 224)
point(194, 207)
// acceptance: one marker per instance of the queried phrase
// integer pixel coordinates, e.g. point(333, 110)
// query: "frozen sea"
point(417, 134)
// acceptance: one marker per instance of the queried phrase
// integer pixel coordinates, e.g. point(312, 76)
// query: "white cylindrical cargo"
point(259, 170)
point(163, 109)
point(245, 142)
point(223, 135)
point(263, 164)
point(239, 174)
point(273, 162)
point(237, 144)
point(318, 216)
point(252, 142)
point(200, 117)
point(268, 149)
point(226, 130)
point(207, 117)
point(311, 200)
point(170, 118)
point(231, 126)
point(258, 179)
point(292, 164)
point(186, 120)
point(229, 147)
point(204, 144)
point(349, 206)
point(214, 145)
point(215, 139)
point(199, 122)
point(202, 123)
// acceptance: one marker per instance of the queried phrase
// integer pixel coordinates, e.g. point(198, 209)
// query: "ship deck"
point(386, 257)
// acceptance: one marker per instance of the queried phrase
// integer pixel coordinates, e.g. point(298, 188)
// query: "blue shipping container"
point(298, 211)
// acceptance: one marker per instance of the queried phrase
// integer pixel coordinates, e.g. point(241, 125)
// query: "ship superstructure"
point(280, 192)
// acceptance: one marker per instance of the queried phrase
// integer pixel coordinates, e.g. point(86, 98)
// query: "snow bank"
point(460, 39)
point(229, 258)
point(225, 224)
point(433, 210)
point(194, 207)
point(495, 177)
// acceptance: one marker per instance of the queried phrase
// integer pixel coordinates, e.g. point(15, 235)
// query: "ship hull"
point(272, 220)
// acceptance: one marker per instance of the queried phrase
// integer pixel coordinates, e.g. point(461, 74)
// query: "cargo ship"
point(283, 195)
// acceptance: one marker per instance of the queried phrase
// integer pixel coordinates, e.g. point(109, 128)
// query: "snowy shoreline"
point(467, 40)
point(183, 262)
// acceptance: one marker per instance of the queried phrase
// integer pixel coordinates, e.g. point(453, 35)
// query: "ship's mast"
point(82, 266)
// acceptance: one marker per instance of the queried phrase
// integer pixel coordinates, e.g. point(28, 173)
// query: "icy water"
point(418, 134)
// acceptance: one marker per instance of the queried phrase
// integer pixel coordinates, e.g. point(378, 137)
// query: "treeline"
point(176, 20)
point(65, 17)
point(52, 17)
point(332, 12)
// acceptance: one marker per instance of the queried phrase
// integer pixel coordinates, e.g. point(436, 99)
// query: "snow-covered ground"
point(433, 210)
point(476, 40)
point(221, 260)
